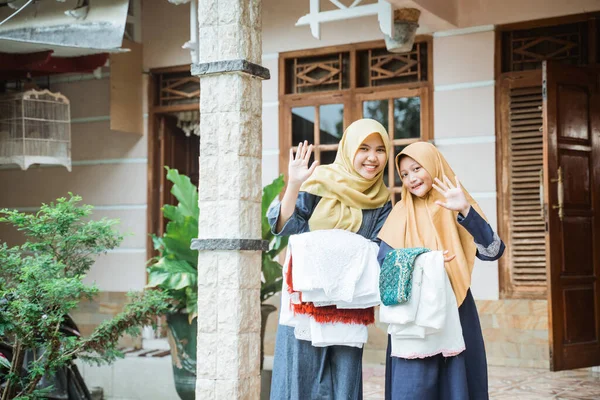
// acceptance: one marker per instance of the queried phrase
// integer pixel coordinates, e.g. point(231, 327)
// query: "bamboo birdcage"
point(35, 128)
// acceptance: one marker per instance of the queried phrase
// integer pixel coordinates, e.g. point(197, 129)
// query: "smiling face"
point(416, 178)
point(370, 158)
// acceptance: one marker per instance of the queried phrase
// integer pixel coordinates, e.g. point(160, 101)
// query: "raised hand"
point(298, 170)
point(454, 195)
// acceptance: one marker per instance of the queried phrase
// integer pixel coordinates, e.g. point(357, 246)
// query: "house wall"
point(488, 12)
point(463, 119)
point(515, 330)
point(109, 172)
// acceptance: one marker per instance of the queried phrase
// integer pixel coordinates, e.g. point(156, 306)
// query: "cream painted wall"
point(463, 100)
point(114, 174)
point(165, 28)
point(488, 12)
point(464, 124)
point(109, 172)
point(463, 116)
point(110, 168)
point(280, 33)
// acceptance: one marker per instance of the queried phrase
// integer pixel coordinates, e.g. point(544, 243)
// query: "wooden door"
point(571, 109)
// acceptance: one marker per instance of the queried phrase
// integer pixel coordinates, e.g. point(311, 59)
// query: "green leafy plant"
point(41, 281)
point(175, 269)
point(271, 269)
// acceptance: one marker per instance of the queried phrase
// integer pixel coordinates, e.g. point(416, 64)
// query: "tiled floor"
point(513, 383)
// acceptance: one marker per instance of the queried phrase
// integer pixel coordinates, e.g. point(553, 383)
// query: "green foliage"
point(271, 269)
point(43, 281)
point(175, 269)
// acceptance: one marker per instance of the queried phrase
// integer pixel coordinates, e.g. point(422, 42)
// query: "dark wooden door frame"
point(156, 114)
point(502, 213)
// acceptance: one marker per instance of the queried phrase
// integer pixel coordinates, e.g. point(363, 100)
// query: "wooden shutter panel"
point(527, 234)
point(522, 223)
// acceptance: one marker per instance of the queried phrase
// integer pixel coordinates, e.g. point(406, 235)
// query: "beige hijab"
point(344, 192)
point(419, 222)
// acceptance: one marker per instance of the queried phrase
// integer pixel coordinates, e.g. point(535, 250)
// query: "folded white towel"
point(337, 334)
point(334, 261)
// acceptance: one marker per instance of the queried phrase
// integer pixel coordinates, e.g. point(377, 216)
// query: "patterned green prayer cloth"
point(395, 278)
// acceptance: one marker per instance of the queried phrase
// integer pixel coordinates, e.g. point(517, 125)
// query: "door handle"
point(560, 194)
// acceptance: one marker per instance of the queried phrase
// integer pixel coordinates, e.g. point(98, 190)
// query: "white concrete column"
point(229, 243)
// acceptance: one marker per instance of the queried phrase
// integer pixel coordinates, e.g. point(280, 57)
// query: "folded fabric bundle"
point(366, 294)
point(330, 287)
point(333, 261)
point(428, 323)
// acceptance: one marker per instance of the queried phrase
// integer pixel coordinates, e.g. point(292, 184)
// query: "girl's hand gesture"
point(454, 195)
point(298, 170)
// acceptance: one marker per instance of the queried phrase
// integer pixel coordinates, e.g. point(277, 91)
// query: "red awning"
point(22, 65)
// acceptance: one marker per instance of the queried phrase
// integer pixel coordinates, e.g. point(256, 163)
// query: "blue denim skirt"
point(304, 372)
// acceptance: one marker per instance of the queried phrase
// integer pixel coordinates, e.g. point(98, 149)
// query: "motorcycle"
point(66, 383)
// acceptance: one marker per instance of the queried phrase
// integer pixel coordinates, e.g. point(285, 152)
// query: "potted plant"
point(271, 272)
point(41, 281)
point(175, 271)
point(271, 269)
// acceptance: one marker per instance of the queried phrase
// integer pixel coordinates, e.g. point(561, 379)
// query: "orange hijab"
point(419, 222)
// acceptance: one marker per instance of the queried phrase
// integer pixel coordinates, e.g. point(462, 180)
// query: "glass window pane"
point(386, 175)
point(303, 124)
point(327, 157)
point(377, 110)
point(397, 197)
point(331, 123)
point(407, 118)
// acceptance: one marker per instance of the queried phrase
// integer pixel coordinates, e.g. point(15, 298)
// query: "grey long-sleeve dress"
point(301, 371)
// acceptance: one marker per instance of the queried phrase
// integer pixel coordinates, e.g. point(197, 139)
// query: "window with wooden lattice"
point(324, 90)
point(520, 140)
point(176, 88)
point(525, 49)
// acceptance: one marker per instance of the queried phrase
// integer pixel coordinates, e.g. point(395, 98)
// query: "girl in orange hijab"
point(437, 213)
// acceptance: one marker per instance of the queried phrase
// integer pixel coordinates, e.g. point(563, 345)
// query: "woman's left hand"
point(454, 195)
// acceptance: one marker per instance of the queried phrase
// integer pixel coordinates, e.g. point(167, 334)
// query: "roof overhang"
point(49, 33)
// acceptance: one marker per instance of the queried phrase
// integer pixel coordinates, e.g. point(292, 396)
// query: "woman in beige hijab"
point(349, 194)
point(437, 213)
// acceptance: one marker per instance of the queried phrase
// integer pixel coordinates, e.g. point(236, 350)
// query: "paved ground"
point(513, 383)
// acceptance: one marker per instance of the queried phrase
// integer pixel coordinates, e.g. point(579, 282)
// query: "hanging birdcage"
point(35, 128)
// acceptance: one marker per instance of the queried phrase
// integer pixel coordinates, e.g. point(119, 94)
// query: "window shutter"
point(526, 241)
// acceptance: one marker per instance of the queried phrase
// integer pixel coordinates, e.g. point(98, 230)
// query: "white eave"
point(47, 27)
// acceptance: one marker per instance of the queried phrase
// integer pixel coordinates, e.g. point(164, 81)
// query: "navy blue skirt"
point(462, 377)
